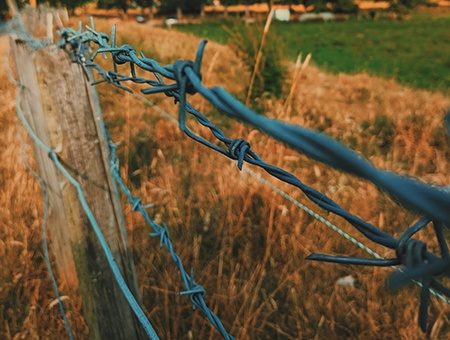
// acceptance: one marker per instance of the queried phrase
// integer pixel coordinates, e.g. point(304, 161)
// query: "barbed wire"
point(431, 201)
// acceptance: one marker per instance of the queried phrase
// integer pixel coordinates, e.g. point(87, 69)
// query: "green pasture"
point(414, 52)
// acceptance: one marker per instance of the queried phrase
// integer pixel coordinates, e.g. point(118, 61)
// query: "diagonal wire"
point(431, 201)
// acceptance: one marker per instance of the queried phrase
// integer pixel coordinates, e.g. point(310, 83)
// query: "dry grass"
point(246, 244)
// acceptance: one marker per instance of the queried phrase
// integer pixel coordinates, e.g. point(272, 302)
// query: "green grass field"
point(414, 52)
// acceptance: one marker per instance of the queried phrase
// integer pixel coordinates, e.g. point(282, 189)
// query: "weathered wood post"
point(63, 110)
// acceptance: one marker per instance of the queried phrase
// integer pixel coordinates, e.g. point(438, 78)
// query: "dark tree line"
point(166, 7)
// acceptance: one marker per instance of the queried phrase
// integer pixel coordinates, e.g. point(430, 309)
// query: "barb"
point(316, 145)
point(306, 209)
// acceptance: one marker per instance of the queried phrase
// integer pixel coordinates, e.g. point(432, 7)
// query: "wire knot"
point(195, 291)
point(163, 233)
point(136, 203)
point(52, 155)
point(238, 148)
point(421, 265)
point(411, 252)
point(179, 70)
point(122, 55)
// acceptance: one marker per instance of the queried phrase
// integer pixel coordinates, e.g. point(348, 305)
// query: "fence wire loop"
point(196, 292)
point(179, 68)
point(135, 202)
point(162, 233)
point(238, 149)
point(418, 264)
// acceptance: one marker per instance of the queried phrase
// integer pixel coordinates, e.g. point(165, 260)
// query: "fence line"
point(419, 264)
point(195, 291)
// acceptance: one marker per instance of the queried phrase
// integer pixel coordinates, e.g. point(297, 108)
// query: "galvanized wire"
point(298, 204)
point(430, 201)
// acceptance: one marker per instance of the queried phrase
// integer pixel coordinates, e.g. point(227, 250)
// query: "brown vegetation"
point(246, 244)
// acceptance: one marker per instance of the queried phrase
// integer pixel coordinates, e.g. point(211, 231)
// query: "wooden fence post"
point(63, 110)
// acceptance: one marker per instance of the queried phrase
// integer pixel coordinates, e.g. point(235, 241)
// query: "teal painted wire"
point(109, 256)
point(334, 227)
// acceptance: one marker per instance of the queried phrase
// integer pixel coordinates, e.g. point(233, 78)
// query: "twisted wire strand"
point(236, 149)
point(429, 200)
point(300, 205)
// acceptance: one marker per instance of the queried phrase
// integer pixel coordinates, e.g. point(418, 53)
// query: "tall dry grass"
point(245, 243)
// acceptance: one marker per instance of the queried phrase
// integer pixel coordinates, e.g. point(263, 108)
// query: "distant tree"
point(345, 7)
point(69, 4)
point(409, 3)
point(319, 5)
point(122, 4)
point(146, 4)
point(337, 6)
point(3, 9)
point(186, 6)
point(403, 7)
point(107, 4)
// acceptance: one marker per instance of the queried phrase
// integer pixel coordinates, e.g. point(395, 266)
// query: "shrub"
point(345, 7)
point(245, 41)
